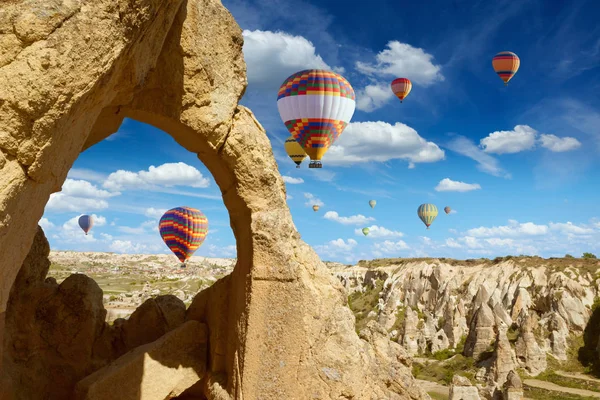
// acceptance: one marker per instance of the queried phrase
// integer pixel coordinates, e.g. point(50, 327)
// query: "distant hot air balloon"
point(372, 203)
point(447, 209)
point(401, 87)
point(315, 208)
point(86, 222)
point(183, 229)
point(365, 231)
point(294, 151)
point(427, 213)
point(506, 64)
point(316, 106)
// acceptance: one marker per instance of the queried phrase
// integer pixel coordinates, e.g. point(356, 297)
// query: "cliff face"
point(505, 314)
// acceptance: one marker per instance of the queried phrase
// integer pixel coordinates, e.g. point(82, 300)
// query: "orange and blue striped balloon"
point(506, 64)
point(183, 229)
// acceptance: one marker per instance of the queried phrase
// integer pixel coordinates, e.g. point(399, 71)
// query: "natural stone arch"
point(71, 71)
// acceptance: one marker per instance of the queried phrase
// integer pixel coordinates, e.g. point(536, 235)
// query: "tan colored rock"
point(504, 357)
point(179, 67)
point(513, 387)
point(481, 332)
point(162, 369)
point(462, 389)
point(410, 334)
point(529, 354)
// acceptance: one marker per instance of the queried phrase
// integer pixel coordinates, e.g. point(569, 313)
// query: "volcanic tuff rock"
point(70, 72)
point(516, 309)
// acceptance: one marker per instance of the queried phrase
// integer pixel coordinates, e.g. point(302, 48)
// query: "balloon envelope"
point(294, 151)
point(401, 87)
point(86, 222)
point(183, 229)
point(372, 203)
point(316, 106)
point(315, 208)
point(427, 213)
point(506, 64)
point(447, 209)
point(365, 231)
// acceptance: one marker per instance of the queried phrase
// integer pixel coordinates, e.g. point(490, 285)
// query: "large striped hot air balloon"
point(316, 106)
point(294, 151)
point(506, 64)
point(183, 229)
point(86, 222)
point(401, 87)
point(427, 213)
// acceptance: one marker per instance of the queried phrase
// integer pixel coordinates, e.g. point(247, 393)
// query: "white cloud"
point(311, 200)
point(46, 224)
point(379, 232)
point(128, 247)
point(507, 142)
point(169, 174)
point(557, 144)
point(79, 196)
point(273, 56)
point(453, 243)
point(389, 247)
point(524, 137)
point(288, 197)
point(514, 228)
point(570, 228)
point(379, 141)
point(453, 211)
point(335, 247)
point(373, 97)
point(401, 59)
point(448, 185)
point(72, 233)
point(351, 220)
point(486, 163)
point(60, 202)
point(212, 250)
point(155, 212)
point(292, 180)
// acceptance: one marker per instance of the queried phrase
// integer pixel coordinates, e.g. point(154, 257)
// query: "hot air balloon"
point(365, 231)
point(295, 151)
point(506, 64)
point(86, 222)
point(316, 106)
point(427, 213)
point(183, 230)
point(315, 208)
point(447, 209)
point(372, 203)
point(401, 87)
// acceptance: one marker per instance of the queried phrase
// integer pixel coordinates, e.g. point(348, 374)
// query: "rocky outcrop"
point(513, 387)
point(70, 72)
point(481, 332)
point(531, 356)
point(164, 368)
point(462, 389)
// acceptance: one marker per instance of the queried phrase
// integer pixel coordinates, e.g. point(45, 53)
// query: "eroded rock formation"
point(70, 72)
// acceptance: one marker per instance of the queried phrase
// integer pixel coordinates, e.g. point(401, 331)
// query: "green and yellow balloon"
point(365, 231)
point(427, 213)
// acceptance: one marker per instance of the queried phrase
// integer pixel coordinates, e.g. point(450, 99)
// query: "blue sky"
point(518, 164)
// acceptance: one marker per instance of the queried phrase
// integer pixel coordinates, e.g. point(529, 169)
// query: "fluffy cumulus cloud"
point(398, 59)
point(401, 59)
point(389, 247)
point(71, 233)
point(144, 227)
point(311, 200)
point(514, 228)
point(337, 247)
point(379, 141)
point(485, 162)
point(448, 185)
point(379, 232)
point(212, 250)
point(166, 175)
point(273, 56)
point(156, 213)
point(524, 137)
point(46, 224)
point(129, 247)
point(351, 220)
point(79, 196)
point(291, 180)
point(569, 228)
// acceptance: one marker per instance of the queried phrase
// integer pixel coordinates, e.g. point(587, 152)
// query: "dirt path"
point(556, 388)
point(577, 375)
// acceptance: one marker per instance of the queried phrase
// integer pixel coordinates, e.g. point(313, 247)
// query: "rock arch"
point(70, 71)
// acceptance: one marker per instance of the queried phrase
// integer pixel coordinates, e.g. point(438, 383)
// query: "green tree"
point(568, 256)
point(588, 255)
